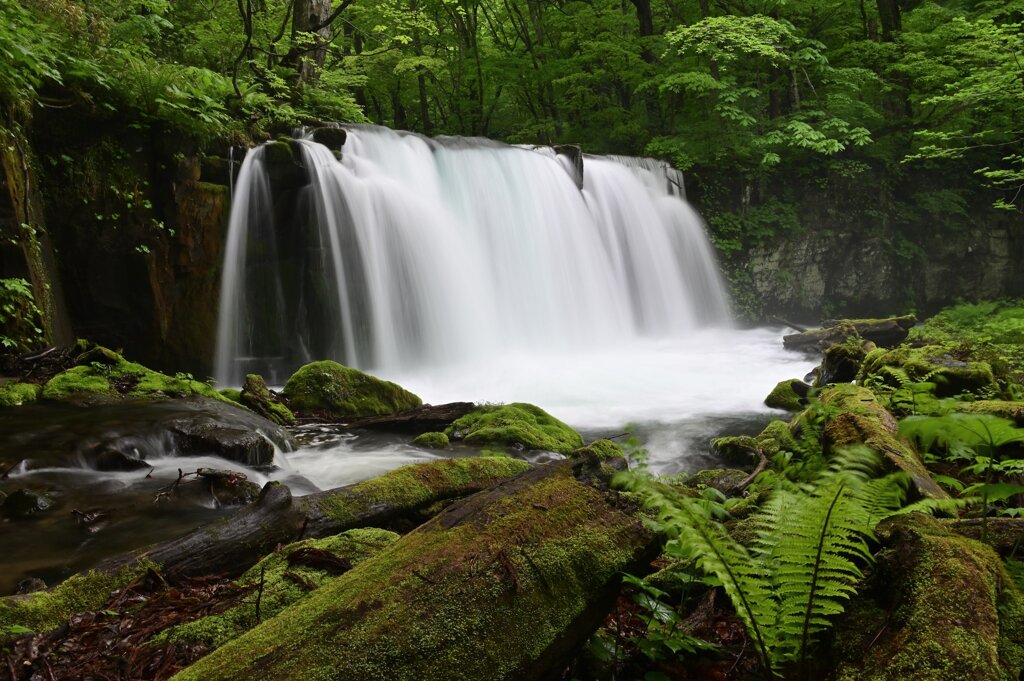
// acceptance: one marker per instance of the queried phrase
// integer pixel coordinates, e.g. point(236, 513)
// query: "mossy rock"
point(518, 425)
point(331, 137)
point(789, 395)
point(598, 450)
point(17, 394)
point(944, 608)
point(233, 394)
point(103, 375)
point(742, 449)
point(725, 480)
point(286, 580)
point(1002, 408)
point(432, 440)
point(279, 152)
point(842, 362)
point(931, 363)
point(44, 611)
point(256, 396)
point(330, 389)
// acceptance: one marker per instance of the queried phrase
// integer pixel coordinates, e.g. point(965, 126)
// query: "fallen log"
point(232, 545)
point(885, 333)
point(425, 419)
point(503, 585)
point(858, 418)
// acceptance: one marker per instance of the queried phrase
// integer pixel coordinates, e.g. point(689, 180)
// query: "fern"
point(802, 565)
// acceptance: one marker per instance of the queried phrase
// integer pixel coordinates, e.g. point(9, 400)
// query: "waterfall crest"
point(411, 252)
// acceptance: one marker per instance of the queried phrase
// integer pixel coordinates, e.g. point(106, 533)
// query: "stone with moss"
point(518, 425)
point(432, 440)
point(724, 480)
point(17, 394)
point(498, 586)
point(44, 611)
point(1003, 408)
point(789, 395)
point(103, 375)
point(941, 607)
point(285, 578)
point(256, 396)
point(932, 364)
point(598, 450)
point(331, 389)
point(841, 362)
point(233, 394)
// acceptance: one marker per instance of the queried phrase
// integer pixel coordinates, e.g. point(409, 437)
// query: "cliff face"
point(808, 248)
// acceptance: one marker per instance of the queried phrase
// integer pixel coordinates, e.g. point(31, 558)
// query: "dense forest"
point(299, 518)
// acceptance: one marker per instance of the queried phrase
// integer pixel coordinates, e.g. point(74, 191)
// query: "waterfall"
point(413, 252)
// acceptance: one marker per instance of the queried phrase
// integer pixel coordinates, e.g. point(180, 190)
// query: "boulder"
point(518, 426)
point(433, 440)
point(790, 395)
point(842, 362)
point(331, 137)
point(941, 607)
point(333, 390)
point(24, 503)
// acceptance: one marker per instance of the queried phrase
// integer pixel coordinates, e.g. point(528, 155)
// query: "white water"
point(428, 253)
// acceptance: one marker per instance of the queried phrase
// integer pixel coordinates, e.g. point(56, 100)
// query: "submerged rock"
point(943, 608)
point(331, 389)
point(23, 503)
point(519, 426)
point(229, 432)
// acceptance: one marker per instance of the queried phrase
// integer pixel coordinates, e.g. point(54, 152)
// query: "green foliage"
point(517, 425)
point(20, 319)
point(804, 562)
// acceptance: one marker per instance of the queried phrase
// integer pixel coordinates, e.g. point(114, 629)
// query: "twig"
point(259, 592)
point(761, 465)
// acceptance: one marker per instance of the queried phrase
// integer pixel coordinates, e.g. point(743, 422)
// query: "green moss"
point(284, 584)
point(783, 396)
point(409, 487)
point(452, 600)
point(335, 390)
point(17, 394)
point(517, 425)
point(600, 450)
point(1004, 408)
point(722, 479)
point(104, 374)
point(432, 440)
point(954, 612)
point(933, 364)
point(278, 152)
point(256, 396)
point(233, 394)
point(46, 610)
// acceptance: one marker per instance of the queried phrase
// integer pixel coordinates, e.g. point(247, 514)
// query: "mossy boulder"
point(503, 585)
point(932, 363)
point(287, 577)
point(598, 450)
point(519, 426)
point(432, 440)
point(332, 137)
point(17, 394)
point(46, 610)
point(103, 375)
point(232, 394)
point(790, 395)
point(841, 362)
point(330, 389)
point(743, 449)
point(257, 396)
point(724, 480)
point(942, 607)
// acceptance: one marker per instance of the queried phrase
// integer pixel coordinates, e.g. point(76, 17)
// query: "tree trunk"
point(504, 585)
point(232, 545)
point(889, 15)
point(310, 17)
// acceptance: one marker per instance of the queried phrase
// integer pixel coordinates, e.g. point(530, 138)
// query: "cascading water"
point(413, 252)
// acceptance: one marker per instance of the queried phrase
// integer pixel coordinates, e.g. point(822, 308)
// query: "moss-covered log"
point(503, 585)
point(858, 418)
point(883, 332)
point(233, 544)
point(943, 608)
